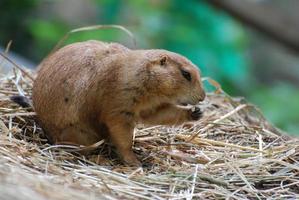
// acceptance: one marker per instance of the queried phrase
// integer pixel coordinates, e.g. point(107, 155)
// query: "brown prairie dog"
point(92, 90)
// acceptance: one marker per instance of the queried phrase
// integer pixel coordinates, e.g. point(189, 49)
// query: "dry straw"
point(236, 154)
point(231, 153)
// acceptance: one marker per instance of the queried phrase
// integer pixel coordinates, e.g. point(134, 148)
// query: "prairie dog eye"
point(186, 75)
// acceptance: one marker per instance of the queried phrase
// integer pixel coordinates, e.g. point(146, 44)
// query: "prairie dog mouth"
point(186, 103)
point(190, 103)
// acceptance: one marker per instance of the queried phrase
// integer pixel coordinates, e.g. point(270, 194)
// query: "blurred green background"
point(243, 61)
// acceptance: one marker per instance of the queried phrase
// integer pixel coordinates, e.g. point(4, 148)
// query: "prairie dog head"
point(176, 78)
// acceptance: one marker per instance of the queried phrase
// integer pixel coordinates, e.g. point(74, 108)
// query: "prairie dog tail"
point(25, 102)
point(22, 101)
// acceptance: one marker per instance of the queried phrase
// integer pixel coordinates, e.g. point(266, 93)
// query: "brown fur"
point(92, 90)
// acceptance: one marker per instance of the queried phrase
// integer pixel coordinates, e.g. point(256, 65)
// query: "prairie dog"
point(91, 90)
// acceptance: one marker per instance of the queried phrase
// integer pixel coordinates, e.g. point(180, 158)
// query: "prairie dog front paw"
point(195, 113)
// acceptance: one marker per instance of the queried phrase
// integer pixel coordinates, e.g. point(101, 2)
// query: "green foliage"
point(280, 104)
point(13, 23)
point(45, 34)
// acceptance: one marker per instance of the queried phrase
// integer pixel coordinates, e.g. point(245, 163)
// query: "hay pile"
point(236, 154)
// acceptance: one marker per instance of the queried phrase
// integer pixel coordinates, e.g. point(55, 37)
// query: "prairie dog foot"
point(130, 159)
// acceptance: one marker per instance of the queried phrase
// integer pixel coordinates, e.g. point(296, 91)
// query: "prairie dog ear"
point(158, 59)
point(163, 60)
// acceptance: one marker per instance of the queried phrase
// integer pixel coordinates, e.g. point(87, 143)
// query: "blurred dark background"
point(246, 62)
